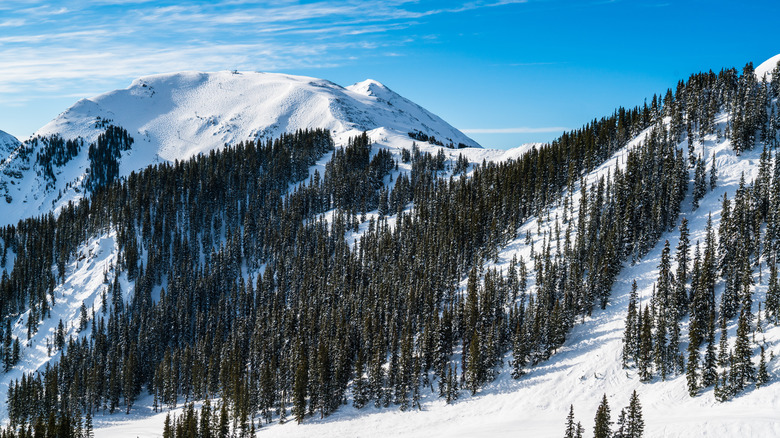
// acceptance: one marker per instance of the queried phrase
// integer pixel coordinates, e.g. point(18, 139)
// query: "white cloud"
point(63, 46)
point(521, 130)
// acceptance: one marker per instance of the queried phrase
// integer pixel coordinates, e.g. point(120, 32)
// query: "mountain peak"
point(370, 87)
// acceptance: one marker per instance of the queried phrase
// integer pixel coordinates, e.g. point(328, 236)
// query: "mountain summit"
point(178, 115)
point(182, 114)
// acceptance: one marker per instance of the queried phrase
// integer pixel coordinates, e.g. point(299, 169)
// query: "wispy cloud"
point(521, 130)
point(67, 46)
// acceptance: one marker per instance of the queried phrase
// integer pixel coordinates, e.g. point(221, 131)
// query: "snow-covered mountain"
point(176, 116)
point(587, 365)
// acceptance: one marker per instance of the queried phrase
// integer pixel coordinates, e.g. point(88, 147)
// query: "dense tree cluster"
point(421, 136)
point(104, 156)
point(53, 151)
point(747, 238)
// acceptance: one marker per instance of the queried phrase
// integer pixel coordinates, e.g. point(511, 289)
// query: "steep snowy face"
point(8, 144)
point(8, 148)
point(176, 116)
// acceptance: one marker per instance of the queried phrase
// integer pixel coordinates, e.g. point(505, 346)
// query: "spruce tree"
point(709, 374)
point(635, 424)
point(644, 364)
point(571, 427)
point(602, 428)
point(631, 332)
point(742, 364)
point(691, 374)
point(762, 376)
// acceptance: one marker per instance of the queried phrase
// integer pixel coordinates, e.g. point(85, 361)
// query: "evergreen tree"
point(742, 364)
point(709, 375)
point(692, 368)
point(571, 427)
point(762, 376)
point(603, 426)
point(631, 332)
point(635, 424)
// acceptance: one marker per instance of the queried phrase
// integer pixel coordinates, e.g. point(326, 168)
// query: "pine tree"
point(168, 431)
point(682, 258)
point(691, 373)
point(620, 432)
point(635, 425)
point(699, 182)
point(723, 346)
point(713, 173)
point(723, 388)
point(571, 427)
point(709, 374)
point(772, 305)
point(301, 385)
point(762, 376)
point(645, 347)
point(223, 426)
point(602, 428)
point(742, 364)
point(630, 335)
point(88, 433)
point(474, 365)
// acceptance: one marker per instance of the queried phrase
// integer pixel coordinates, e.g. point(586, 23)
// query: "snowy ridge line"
point(179, 115)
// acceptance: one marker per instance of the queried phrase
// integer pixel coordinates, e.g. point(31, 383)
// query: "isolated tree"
point(602, 428)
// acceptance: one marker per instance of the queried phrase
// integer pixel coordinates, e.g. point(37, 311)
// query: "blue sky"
point(506, 72)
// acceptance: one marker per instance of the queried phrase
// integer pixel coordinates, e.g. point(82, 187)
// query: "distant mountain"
point(176, 116)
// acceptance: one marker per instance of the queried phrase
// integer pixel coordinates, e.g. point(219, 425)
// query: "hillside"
point(393, 288)
point(176, 116)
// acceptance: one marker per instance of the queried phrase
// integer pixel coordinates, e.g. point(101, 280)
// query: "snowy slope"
point(176, 116)
point(587, 366)
point(8, 144)
point(535, 405)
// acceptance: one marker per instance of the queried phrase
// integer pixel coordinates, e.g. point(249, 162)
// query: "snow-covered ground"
point(8, 144)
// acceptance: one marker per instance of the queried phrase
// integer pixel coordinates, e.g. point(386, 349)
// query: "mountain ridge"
point(175, 116)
